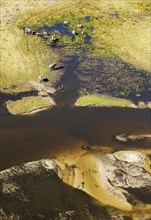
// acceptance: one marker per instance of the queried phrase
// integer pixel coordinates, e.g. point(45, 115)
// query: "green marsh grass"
point(103, 100)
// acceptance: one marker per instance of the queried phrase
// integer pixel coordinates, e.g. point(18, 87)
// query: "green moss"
point(28, 104)
point(103, 100)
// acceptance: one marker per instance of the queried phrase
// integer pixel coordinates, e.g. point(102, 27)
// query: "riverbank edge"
point(35, 111)
point(50, 103)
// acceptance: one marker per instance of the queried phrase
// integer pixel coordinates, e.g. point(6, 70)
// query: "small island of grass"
point(103, 100)
point(29, 105)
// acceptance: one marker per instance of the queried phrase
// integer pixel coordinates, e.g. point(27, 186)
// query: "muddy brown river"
point(63, 131)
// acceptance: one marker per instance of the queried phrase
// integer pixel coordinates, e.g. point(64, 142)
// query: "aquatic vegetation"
point(113, 23)
point(73, 35)
point(110, 75)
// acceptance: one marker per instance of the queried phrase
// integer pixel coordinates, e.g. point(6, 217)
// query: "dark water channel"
point(69, 83)
point(49, 133)
point(87, 74)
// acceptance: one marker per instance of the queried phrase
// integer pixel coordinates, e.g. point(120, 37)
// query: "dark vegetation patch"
point(110, 75)
point(102, 75)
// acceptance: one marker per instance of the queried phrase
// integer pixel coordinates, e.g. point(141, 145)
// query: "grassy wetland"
point(115, 33)
point(103, 101)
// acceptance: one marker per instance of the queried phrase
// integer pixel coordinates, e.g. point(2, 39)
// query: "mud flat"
point(91, 175)
point(127, 137)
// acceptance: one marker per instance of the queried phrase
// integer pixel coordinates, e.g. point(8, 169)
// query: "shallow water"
point(56, 27)
point(65, 130)
point(60, 30)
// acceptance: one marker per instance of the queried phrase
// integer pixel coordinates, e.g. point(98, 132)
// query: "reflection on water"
point(65, 130)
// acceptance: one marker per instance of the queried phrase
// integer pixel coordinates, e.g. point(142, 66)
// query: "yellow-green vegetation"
point(102, 100)
point(28, 105)
point(121, 29)
point(126, 35)
point(24, 57)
